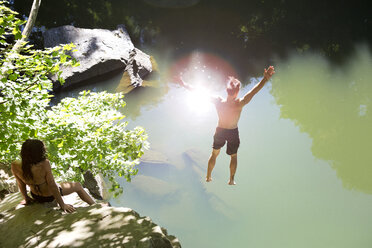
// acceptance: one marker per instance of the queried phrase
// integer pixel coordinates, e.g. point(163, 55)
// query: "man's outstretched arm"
point(185, 85)
point(209, 96)
point(268, 73)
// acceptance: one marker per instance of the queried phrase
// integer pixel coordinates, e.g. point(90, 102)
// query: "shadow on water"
point(333, 105)
point(173, 187)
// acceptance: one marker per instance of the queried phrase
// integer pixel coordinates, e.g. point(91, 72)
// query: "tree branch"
point(25, 34)
point(29, 25)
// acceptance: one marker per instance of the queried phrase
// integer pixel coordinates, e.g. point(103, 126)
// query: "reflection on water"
point(150, 98)
point(332, 105)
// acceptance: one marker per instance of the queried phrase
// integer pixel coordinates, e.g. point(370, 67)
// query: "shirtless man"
point(229, 111)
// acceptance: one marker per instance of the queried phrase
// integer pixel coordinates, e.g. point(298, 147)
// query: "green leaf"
point(33, 133)
point(116, 156)
point(13, 77)
point(63, 58)
point(60, 144)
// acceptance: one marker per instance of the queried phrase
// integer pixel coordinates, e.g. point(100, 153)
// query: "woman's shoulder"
point(16, 166)
point(16, 163)
point(45, 164)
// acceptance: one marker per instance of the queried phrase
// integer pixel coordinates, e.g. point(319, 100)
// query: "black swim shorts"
point(230, 135)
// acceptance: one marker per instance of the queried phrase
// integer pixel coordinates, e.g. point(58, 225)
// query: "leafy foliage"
point(87, 133)
point(81, 134)
point(24, 84)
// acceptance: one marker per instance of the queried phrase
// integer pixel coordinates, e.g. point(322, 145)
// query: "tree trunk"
point(25, 34)
point(29, 25)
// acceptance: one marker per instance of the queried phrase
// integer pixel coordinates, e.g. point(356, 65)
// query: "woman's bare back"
point(39, 184)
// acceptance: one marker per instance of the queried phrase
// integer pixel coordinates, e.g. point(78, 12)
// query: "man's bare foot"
point(208, 179)
point(232, 182)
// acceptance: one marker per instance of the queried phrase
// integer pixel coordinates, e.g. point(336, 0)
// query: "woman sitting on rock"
point(34, 170)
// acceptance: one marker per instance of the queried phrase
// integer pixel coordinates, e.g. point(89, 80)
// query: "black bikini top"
point(37, 186)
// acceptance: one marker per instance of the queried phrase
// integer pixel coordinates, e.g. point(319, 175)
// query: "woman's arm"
point(21, 184)
point(54, 189)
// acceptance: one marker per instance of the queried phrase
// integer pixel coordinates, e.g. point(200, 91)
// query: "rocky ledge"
point(99, 52)
point(42, 225)
point(45, 225)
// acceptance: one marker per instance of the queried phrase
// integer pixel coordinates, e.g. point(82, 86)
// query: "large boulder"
point(41, 225)
point(100, 52)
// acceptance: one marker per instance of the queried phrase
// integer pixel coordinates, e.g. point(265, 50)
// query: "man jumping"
point(229, 111)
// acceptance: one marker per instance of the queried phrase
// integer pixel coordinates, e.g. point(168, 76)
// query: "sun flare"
point(198, 100)
point(206, 73)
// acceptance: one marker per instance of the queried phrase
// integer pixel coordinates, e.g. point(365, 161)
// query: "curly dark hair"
point(33, 151)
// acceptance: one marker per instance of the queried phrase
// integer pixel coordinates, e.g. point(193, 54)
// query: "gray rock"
point(8, 184)
point(94, 185)
point(158, 161)
point(99, 51)
point(39, 225)
point(153, 186)
point(154, 157)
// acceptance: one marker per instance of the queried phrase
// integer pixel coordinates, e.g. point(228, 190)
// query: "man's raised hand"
point(269, 72)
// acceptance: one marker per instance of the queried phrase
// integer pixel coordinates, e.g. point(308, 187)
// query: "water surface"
point(304, 164)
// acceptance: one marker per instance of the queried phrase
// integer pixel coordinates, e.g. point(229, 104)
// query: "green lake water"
point(304, 176)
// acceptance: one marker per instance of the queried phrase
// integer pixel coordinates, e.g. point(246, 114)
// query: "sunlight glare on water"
point(202, 69)
point(198, 101)
point(206, 73)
